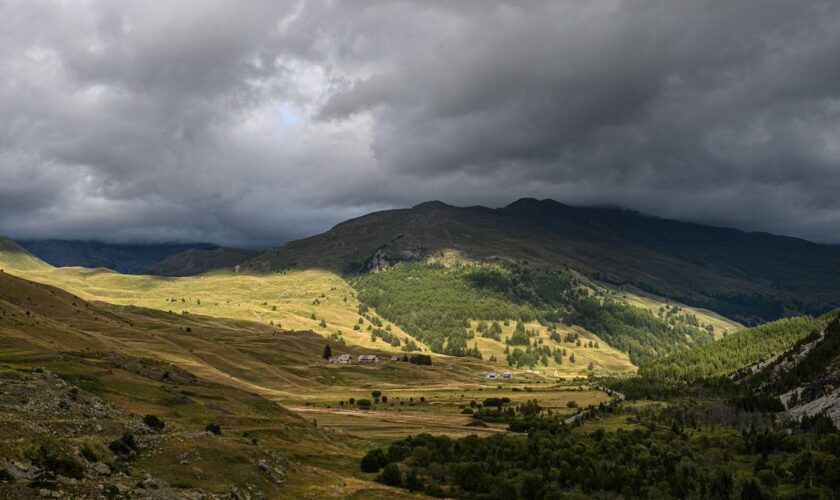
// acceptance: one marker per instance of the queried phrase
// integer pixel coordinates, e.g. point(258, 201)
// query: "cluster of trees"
point(385, 335)
point(674, 314)
point(420, 359)
point(521, 336)
point(378, 397)
point(636, 331)
point(531, 356)
point(499, 410)
point(668, 455)
point(491, 331)
point(434, 303)
point(735, 351)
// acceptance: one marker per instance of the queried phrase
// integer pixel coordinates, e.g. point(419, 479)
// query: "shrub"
point(412, 481)
point(374, 460)
point(57, 461)
point(497, 402)
point(125, 446)
point(153, 422)
point(391, 475)
point(420, 359)
point(213, 428)
point(89, 454)
point(397, 452)
point(767, 477)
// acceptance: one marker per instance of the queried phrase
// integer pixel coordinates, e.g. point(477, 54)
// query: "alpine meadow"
point(379, 250)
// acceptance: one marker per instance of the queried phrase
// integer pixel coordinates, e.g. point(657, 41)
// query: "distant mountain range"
point(124, 258)
point(750, 277)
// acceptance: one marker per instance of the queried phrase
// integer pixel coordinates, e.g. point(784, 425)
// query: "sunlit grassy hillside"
point(313, 300)
point(13, 256)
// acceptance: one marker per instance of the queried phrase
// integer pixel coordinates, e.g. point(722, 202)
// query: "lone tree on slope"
point(327, 352)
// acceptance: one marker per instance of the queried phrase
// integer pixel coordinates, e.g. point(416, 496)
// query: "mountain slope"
point(36, 318)
point(77, 375)
point(750, 277)
point(805, 377)
point(437, 301)
point(123, 258)
point(312, 300)
point(13, 256)
point(737, 351)
point(197, 261)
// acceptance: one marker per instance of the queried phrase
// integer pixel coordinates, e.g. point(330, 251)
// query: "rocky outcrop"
point(829, 405)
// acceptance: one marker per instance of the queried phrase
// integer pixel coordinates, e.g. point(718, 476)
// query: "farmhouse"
point(344, 359)
point(507, 374)
point(491, 375)
point(395, 359)
point(368, 358)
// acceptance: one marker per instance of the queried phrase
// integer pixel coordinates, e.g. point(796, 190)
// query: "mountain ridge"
point(127, 258)
point(750, 277)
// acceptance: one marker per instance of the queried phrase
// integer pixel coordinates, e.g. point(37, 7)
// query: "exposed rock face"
point(388, 256)
point(44, 395)
point(830, 405)
point(153, 369)
point(276, 466)
point(806, 377)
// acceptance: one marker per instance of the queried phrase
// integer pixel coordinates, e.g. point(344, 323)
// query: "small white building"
point(491, 375)
point(368, 358)
point(507, 374)
point(344, 359)
point(395, 359)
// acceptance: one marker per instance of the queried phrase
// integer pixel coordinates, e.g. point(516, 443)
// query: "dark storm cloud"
point(252, 122)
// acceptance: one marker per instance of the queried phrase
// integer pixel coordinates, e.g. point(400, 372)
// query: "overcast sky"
point(252, 122)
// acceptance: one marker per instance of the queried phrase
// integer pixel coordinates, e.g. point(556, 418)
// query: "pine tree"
point(327, 352)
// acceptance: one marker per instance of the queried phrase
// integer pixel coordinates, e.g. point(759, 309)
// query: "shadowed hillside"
point(196, 261)
point(746, 276)
point(123, 258)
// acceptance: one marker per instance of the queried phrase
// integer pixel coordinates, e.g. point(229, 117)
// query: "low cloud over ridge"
point(249, 123)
